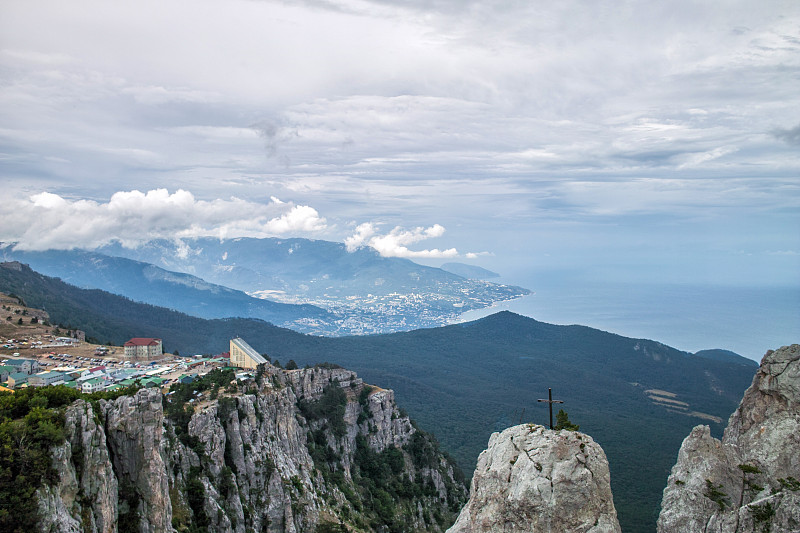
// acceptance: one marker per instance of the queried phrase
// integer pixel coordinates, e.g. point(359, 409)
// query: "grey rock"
point(734, 484)
point(241, 463)
point(134, 427)
point(532, 479)
point(55, 503)
point(85, 498)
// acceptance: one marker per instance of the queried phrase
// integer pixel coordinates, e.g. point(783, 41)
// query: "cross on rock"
point(550, 401)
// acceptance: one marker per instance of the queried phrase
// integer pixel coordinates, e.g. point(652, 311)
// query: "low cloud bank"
point(48, 221)
point(396, 242)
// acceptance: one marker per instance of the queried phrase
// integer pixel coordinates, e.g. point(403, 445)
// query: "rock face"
point(532, 479)
point(286, 452)
point(748, 481)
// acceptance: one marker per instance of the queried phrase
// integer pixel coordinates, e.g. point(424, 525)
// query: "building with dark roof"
point(29, 366)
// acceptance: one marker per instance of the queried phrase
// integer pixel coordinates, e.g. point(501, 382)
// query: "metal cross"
point(550, 401)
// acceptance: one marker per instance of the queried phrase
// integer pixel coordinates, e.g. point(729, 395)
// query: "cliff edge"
point(531, 479)
point(748, 481)
point(313, 449)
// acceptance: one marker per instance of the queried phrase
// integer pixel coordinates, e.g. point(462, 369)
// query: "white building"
point(92, 385)
point(243, 355)
point(44, 379)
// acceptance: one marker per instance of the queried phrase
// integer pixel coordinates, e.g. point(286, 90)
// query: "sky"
point(626, 141)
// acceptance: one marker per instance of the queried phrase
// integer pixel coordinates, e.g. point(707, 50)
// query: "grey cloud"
point(269, 132)
point(274, 136)
point(789, 136)
point(430, 111)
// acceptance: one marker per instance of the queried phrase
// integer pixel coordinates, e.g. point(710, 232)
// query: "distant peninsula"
point(469, 271)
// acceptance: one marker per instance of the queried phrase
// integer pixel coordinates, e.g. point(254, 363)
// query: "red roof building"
point(143, 348)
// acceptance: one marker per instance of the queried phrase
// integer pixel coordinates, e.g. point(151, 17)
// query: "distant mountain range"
point(144, 282)
point(351, 292)
point(638, 398)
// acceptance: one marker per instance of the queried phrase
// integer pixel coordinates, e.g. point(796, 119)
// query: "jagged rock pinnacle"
point(747, 482)
point(531, 479)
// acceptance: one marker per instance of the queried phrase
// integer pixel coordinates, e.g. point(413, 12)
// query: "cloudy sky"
point(652, 141)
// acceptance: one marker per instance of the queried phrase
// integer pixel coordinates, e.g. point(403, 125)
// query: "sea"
point(745, 320)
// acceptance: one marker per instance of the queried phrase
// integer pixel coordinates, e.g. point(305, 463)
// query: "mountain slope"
point(636, 397)
point(150, 284)
point(110, 318)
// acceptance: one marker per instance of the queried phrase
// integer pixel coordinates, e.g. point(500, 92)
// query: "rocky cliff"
point(532, 479)
point(748, 481)
point(291, 451)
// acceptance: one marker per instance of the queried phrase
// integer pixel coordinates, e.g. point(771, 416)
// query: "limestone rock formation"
point(748, 481)
point(285, 452)
point(532, 479)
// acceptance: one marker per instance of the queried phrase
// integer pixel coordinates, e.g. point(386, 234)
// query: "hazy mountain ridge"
point(469, 271)
point(368, 293)
point(726, 355)
point(468, 380)
point(351, 292)
point(147, 283)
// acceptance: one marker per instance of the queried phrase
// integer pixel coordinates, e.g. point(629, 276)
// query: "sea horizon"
point(747, 320)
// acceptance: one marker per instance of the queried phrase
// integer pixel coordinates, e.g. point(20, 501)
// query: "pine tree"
point(562, 422)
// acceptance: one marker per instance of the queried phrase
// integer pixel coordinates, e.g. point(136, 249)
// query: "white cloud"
point(153, 95)
point(300, 218)
point(494, 119)
point(360, 237)
point(47, 220)
point(695, 160)
point(396, 242)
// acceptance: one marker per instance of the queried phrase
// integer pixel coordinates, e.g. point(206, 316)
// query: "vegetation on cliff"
point(31, 424)
point(224, 459)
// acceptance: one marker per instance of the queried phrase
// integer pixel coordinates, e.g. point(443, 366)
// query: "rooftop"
point(142, 341)
point(246, 348)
